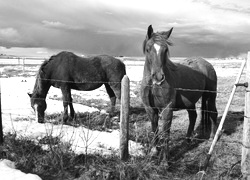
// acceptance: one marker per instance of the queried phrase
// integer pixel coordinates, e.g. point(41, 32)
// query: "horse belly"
point(187, 100)
point(86, 86)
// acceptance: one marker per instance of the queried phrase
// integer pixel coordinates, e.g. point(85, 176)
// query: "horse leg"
point(204, 116)
point(66, 101)
point(192, 119)
point(167, 116)
point(153, 117)
point(112, 97)
point(212, 114)
point(72, 111)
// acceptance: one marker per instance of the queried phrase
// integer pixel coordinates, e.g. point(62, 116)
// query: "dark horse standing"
point(168, 86)
point(68, 71)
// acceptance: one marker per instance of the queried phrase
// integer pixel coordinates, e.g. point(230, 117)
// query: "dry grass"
point(60, 162)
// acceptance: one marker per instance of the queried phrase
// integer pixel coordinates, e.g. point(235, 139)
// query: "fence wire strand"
point(138, 83)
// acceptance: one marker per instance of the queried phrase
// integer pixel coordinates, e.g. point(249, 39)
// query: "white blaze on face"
point(157, 48)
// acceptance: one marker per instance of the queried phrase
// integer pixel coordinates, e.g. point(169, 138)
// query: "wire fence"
point(230, 142)
point(138, 84)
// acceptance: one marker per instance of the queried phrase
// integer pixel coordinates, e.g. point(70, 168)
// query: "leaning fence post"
point(245, 159)
point(124, 118)
point(219, 129)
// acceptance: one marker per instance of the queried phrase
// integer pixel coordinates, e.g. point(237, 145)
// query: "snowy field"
point(16, 106)
point(18, 117)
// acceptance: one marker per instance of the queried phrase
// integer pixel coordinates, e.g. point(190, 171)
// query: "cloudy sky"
point(208, 28)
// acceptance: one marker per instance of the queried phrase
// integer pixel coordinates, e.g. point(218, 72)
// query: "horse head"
point(39, 106)
point(155, 48)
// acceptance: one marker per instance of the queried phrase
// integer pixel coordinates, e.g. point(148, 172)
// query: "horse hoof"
point(72, 119)
point(65, 122)
point(211, 138)
point(165, 164)
point(111, 114)
point(188, 140)
point(154, 152)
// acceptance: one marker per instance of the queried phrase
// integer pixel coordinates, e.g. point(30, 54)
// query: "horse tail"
point(208, 113)
point(208, 102)
point(205, 123)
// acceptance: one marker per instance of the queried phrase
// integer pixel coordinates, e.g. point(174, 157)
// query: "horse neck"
point(41, 88)
point(169, 69)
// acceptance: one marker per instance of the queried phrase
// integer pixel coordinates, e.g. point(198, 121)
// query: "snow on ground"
point(16, 107)
point(16, 102)
point(9, 172)
point(18, 117)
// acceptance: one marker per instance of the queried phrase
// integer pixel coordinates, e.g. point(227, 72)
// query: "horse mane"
point(162, 39)
point(39, 76)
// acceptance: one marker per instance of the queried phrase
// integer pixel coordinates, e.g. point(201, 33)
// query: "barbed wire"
point(174, 109)
point(175, 159)
point(160, 133)
point(146, 85)
point(136, 82)
point(180, 89)
point(143, 108)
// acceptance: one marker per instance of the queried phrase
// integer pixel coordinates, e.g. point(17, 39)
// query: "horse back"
point(193, 77)
point(83, 73)
point(203, 67)
point(114, 68)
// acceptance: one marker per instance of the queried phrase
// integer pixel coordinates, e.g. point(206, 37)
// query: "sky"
point(206, 28)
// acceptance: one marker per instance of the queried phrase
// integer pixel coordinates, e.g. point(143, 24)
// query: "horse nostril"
point(153, 76)
point(158, 78)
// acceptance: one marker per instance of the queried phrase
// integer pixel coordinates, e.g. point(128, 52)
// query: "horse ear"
point(150, 31)
point(29, 94)
point(168, 33)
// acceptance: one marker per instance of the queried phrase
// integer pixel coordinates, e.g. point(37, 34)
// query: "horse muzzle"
point(158, 78)
point(38, 117)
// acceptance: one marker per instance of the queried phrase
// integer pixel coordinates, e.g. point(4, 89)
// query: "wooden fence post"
point(245, 159)
point(23, 66)
point(124, 118)
point(1, 124)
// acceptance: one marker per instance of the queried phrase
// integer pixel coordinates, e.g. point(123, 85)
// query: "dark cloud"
point(184, 49)
point(97, 28)
point(209, 44)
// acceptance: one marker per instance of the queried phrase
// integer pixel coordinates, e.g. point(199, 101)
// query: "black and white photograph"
point(124, 90)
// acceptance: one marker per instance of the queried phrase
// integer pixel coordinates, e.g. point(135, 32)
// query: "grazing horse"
point(167, 86)
point(68, 71)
